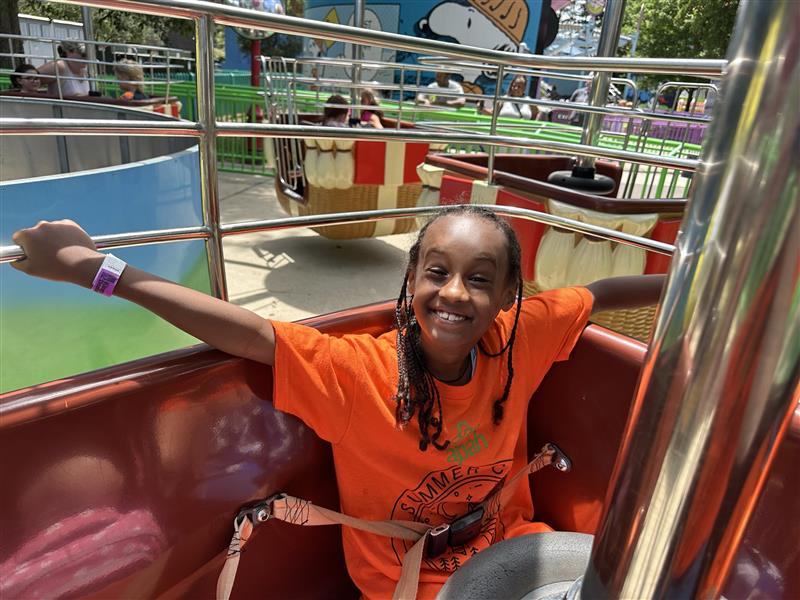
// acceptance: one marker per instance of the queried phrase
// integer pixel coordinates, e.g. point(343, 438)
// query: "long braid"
point(417, 392)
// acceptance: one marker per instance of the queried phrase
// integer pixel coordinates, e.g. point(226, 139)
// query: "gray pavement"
point(289, 275)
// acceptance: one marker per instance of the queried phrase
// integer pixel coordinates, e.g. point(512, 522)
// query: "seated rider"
point(336, 112)
point(25, 80)
point(443, 82)
point(370, 117)
point(426, 420)
point(130, 76)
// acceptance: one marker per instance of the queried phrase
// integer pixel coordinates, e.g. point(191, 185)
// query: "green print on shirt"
point(468, 442)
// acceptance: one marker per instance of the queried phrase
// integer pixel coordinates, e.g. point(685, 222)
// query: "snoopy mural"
point(496, 24)
point(506, 25)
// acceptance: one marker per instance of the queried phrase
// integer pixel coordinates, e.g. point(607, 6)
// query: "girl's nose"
point(454, 290)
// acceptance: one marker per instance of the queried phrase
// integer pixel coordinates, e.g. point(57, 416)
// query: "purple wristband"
point(108, 275)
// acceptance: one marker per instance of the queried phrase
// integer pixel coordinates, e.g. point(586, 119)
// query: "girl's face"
point(29, 81)
point(460, 285)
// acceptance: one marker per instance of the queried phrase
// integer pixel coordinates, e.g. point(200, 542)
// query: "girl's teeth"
point(449, 316)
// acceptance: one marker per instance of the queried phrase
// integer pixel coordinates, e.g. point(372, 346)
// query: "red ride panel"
point(664, 231)
point(414, 155)
point(370, 162)
point(529, 232)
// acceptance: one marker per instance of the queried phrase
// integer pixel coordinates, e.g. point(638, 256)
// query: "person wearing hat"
point(67, 76)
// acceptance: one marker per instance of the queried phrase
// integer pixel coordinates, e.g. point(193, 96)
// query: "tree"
point(113, 25)
point(9, 23)
point(681, 28)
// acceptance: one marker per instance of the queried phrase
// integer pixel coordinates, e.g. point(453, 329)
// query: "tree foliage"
point(682, 28)
point(113, 25)
point(280, 44)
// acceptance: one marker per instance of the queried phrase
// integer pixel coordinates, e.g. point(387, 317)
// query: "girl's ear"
point(509, 299)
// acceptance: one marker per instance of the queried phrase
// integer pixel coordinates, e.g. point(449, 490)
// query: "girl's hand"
point(58, 250)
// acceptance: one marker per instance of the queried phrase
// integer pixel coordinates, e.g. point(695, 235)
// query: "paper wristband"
point(108, 275)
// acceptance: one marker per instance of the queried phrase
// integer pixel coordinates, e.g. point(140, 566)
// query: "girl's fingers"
point(17, 238)
point(20, 265)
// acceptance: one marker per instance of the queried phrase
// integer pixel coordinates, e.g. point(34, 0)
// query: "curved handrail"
point(618, 206)
point(13, 253)
point(227, 129)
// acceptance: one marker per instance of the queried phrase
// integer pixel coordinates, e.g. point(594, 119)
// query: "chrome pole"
point(204, 43)
point(91, 50)
point(721, 378)
point(358, 21)
point(493, 125)
point(606, 47)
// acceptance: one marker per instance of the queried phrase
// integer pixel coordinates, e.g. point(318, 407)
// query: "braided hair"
point(417, 392)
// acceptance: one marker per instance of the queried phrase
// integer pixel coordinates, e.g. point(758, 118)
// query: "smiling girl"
point(427, 420)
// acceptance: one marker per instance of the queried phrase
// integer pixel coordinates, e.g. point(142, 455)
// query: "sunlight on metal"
point(12, 253)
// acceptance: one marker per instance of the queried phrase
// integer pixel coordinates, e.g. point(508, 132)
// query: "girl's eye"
point(437, 272)
point(479, 279)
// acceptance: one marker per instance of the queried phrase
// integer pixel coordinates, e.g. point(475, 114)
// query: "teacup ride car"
point(342, 175)
point(123, 482)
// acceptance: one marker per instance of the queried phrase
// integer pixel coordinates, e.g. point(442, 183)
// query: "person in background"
point(370, 117)
point(443, 82)
point(516, 110)
point(25, 79)
point(69, 75)
point(579, 96)
point(334, 116)
point(130, 76)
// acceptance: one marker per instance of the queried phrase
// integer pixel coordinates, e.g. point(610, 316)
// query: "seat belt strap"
point(303, 512)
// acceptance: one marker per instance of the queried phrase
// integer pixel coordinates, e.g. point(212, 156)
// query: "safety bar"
point(240, 17)
point(227, 129)
point(12, 253)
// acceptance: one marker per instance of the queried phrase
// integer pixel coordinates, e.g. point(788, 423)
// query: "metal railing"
point(205, 14)
point(160, 63)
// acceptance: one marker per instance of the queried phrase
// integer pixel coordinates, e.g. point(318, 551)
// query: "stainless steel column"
point(721, 377)
point(204, 46)
point(358, 21)
point(493, 126)
point(606, 46)
point(91, 49)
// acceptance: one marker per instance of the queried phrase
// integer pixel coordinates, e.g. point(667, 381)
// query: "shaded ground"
point(289, 275)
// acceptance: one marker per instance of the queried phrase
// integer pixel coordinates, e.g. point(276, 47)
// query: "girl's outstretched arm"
point(632, 291)
point(62, 251)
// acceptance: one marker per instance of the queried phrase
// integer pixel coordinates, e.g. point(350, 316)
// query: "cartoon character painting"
point(505, 25)
point(495, 24)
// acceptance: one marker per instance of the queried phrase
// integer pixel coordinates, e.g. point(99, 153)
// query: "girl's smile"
point(460, 285)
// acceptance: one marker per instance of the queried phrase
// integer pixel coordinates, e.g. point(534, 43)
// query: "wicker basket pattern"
point(358, 197)
point(634, 322)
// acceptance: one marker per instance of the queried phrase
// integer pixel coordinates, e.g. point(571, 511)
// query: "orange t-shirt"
point(343, 388)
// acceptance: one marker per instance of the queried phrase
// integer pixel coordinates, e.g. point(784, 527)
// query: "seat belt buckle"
point(259, 512)
point(459, 532)
point(466, 528)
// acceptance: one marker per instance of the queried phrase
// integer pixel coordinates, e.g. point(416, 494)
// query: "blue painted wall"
point(53, 330)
